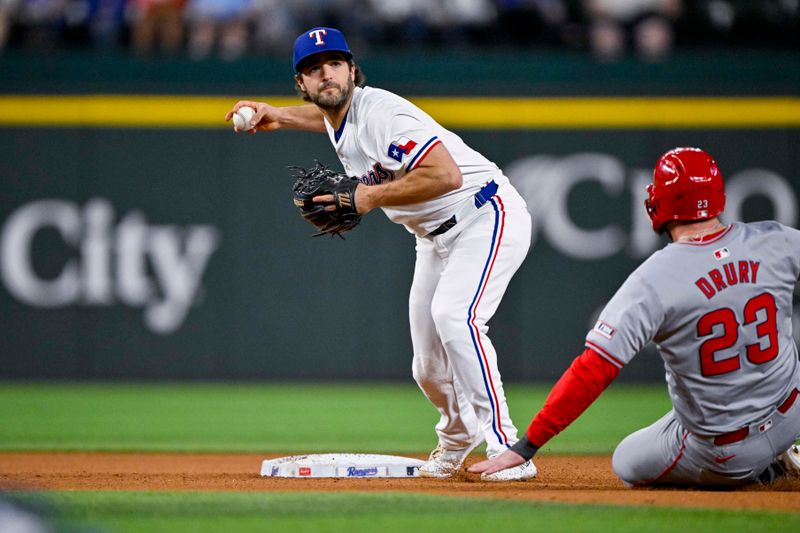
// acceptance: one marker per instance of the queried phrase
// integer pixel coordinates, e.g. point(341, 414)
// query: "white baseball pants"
point(459, 279)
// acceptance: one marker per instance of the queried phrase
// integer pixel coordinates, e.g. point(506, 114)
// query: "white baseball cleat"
point(790, 460)
point(444, 463)
point(526, 470)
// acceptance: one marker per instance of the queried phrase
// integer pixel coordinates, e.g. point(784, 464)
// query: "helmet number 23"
point(766, 330)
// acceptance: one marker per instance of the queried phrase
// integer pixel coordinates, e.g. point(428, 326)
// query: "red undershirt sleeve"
point(578, 387)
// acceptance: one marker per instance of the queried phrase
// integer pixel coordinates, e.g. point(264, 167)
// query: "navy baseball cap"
point(317, 40)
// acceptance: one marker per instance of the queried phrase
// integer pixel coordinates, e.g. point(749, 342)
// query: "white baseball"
point(241, 119)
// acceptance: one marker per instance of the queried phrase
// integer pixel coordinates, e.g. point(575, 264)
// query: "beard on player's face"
point(332, 100)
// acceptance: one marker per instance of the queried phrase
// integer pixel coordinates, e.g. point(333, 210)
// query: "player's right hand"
point(266, 117)
point(507, 459)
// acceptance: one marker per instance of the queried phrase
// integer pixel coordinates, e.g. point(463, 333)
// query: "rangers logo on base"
point(352, 471)
point(341, 465)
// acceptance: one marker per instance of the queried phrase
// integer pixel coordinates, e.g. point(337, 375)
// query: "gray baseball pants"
point(666, 453)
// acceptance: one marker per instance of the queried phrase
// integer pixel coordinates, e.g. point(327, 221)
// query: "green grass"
point(279, 417)
point(385, 512)
point(304, 417)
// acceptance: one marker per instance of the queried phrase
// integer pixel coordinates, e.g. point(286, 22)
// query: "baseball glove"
point(319, 181)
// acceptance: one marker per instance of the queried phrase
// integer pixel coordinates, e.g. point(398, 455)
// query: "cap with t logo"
point(318, 40)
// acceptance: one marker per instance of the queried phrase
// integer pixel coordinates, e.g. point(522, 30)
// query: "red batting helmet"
point(687, 185)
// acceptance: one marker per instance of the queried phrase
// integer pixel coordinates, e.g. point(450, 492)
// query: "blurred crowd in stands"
point(610, 29)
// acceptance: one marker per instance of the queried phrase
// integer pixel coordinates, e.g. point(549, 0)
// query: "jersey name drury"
point(731, 274)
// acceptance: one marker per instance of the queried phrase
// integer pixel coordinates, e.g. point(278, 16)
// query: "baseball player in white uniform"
point(717, 301)
point(472, 232)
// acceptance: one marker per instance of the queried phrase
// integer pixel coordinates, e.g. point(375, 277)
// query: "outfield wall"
point(157, 244)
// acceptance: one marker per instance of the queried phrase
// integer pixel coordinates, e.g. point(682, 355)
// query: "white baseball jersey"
point(384, 136)
point(720, 312)
point(462, 269)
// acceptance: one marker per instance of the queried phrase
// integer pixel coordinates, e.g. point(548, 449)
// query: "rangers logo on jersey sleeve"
point(399, 148)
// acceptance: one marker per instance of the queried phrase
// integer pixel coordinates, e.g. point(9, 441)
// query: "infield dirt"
point(562, 478)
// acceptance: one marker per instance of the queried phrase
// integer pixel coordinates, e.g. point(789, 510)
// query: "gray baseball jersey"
point(720, 313)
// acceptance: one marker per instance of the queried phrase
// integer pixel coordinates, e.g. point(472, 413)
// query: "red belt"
point(730, 438)
point(787, 404)
point(741, 434)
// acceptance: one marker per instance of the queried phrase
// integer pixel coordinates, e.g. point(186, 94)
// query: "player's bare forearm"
point(417, 186)
point(269, 118)
point(436, 176)
point(302, 117)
